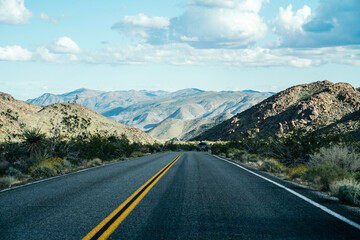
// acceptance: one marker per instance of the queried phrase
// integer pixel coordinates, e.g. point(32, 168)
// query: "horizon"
point(214, 45)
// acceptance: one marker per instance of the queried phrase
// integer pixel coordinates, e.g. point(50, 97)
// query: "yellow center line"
point(135, 198)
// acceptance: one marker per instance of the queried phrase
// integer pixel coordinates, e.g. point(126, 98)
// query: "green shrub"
point(6, 181)
point(137, 154)
point(356, 176)
point(298, 171)
point(323, 175)
point(241, 156)
point(42, 171)
point(3, 166)
point(272, 166)
point(350, 195)
point(340, 156)
point(335, 186)
point(94, 162)
point(13, 172)
point(253, 158)
point(47, 168)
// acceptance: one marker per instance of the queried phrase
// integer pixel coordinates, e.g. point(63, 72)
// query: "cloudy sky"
point(61, 45)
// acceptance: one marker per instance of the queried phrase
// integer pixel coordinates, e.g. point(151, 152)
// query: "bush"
point(335, 186)
point(253, 158)
point(6, 181)
point(137, 154)
point(356, 176)
point(94, 162)
point(47, 168)
point(350, 195)
point(298, 171)
point(13, 172)
point(272, 166)
point(336, 155)
point(241, 156)
point(323, 175)
point(42, 171)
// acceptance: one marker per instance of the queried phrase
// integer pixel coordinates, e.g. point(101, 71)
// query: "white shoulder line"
point(325, 209)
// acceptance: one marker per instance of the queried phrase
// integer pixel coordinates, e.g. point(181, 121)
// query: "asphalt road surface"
point(170, 196)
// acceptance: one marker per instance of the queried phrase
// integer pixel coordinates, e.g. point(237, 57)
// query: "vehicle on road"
point(203, 146)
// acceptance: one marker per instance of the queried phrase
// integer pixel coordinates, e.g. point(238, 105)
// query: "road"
point(194, 196)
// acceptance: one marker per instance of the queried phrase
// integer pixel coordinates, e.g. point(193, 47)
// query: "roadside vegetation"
point(330, 163)
point(34, 155)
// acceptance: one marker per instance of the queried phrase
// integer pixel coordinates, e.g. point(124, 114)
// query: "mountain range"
point(164, 115)
point(15, 116)
point(314, 107)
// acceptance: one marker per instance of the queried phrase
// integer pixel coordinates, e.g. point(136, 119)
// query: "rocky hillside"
point(183, 130)
point(17, 115)
point(146, 109)
point(310, 106)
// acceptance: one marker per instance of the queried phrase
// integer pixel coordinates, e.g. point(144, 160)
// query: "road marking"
point(325, 209)
point(111, 222)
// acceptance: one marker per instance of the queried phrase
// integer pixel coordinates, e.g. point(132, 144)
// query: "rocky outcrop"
point(309, 106)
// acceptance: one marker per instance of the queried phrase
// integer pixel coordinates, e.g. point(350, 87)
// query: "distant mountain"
point(183, 130)
point(98, 101)
point(146, 109)
point(310, 106)
point(184, 106)
point(16, 115)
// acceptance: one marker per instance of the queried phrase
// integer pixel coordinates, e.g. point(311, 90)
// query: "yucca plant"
point(34, 139)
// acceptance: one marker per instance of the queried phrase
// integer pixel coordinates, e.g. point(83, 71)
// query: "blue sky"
point(60, 45)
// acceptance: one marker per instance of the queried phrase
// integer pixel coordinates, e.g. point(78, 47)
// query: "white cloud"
point(334, 23)
point(183, 54)
point(15, 53)
point(204, 24)
point(14, 12)
point(65, 45)
point(47, 18)
point(141, 26)
point(289, 22)
point(45, 55)
point(220, 24)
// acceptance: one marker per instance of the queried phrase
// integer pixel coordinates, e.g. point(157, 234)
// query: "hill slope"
point(16, 115)
point(183, 130)
point(309, 106)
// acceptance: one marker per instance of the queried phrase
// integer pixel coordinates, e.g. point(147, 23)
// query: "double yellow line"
point(111, 222)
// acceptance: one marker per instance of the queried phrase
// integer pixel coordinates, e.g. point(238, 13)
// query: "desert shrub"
point(335, 186)
point(94, 162)
point(241, 155)
point(272, 166)
point(230, 153)
point(253, 158)
point(47, 168)
point(350, 195)
point(67, 164)
point(3, 166)
point(298, 171)
point(6, 181)
point(137, 154)
point(42, 171)
point(13, 172)
point(340, 156)
point(323, 175)
point(356, 176)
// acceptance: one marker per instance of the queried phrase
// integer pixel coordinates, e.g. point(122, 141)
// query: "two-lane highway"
point(169, 196)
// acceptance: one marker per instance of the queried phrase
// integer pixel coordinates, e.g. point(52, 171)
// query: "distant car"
point(203, 146)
